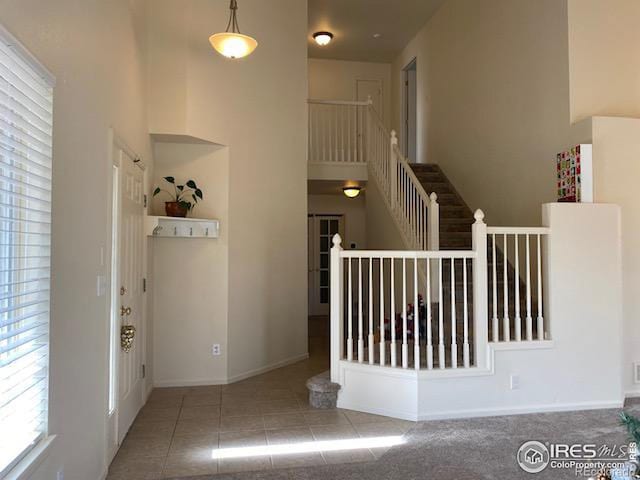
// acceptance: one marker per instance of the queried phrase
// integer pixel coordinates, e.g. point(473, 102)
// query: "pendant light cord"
point(233, 19)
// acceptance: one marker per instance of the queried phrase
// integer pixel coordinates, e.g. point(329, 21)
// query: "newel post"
point(434, 222)
point(480, 302)
point(337, 308)
point(393, 170)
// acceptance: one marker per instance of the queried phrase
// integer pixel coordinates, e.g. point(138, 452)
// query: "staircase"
point(455, 216)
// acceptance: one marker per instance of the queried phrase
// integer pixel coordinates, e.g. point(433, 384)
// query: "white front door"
point(126, 384)
point(322, 228)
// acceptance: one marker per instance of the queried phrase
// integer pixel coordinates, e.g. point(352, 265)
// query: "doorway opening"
point(321, 229)
point(410, 111)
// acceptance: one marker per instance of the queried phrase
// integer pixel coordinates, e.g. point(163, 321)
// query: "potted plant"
point(183, 199)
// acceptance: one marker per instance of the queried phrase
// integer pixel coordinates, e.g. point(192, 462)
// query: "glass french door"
point(322, 228)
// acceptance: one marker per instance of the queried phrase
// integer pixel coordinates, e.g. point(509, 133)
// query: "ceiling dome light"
point(233, 44)
point(352, 191)
point(323, 38)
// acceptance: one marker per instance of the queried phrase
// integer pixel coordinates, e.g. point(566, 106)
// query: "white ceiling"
point(354, 22)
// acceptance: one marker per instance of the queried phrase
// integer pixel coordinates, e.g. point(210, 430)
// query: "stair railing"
point(416, 213)
point(352, 133)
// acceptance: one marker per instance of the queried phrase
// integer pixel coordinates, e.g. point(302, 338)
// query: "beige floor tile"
point(193, 463)
point(200, 400)
point(145, 447)
point(193, 444)
point(252, 438)
point(194, 427)
point(280, 406)
point(164, 401)
point(232, 465)
point(141, 429)
point(334, 432)
point(348, 456)
point(205, 390)
point(379, 452)
point(297, 460)
point(284, 420)
point(289, 435)
point(328, 417)
point(237, 424)
point(234, 409)
point(135, 468)
point(158, 414)
point(206, 412)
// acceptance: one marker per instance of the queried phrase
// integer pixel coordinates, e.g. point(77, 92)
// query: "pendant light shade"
point(232, 43)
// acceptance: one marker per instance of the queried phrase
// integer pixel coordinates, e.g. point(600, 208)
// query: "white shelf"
point(175, 227)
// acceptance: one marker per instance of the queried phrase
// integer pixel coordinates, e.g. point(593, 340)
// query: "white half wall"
point(584, 313)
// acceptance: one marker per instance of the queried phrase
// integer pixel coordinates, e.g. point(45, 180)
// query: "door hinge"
point(144, 370)
point(144, 284)
point(145, 201)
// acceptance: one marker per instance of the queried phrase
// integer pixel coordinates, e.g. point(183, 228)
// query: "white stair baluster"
point(405, 345)
point(529, 320)
point(416, 317)
point(540, 317)
point(429, 336)
point(505, 299)
point(494, 281)
point(360, 314)
point(371, 349)
point(441, 356)
point(382, 326)
point(394, 351)
point(350, 314)
point(516, 286)
point(465, 347)
point(454, 340)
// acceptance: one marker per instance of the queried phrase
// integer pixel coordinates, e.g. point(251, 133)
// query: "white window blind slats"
point(14, 101)
point(21, 76)
point(28, 124)
point(22, 318)
point(26, 115)
point(24, 158)
point(16, 172)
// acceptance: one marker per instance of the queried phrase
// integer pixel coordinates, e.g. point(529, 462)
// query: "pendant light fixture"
point(231, 43)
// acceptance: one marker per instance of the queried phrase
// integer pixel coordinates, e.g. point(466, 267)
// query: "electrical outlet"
point(215, 350)
point(636, 372)
point(101, 285)
point(60, 475)
point(515, 382)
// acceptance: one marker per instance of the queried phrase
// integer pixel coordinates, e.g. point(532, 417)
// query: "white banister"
point(351, 133)
point(337, 308)
point(480, 330)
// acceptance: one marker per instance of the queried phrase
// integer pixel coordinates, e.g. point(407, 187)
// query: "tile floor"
point(177, 430)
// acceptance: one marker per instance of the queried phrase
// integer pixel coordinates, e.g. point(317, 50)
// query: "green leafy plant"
point(187, 195)
point(632, 424)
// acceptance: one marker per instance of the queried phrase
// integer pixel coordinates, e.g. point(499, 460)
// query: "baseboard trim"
point(199, 382)
point(632, 394)
point(268, 368)
point(505, 411)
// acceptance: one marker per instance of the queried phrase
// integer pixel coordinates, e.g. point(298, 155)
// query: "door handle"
point(125, 311)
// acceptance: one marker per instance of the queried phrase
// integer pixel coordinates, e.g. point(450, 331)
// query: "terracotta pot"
point(174, 209)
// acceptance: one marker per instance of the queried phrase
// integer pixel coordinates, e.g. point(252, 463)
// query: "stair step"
point(425, 167)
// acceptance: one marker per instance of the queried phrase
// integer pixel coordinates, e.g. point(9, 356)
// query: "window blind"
point(26, 111)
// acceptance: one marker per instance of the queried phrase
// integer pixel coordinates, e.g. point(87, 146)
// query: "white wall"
point(190, 276)
point(616, 150)
point(336, 80)
point(94, 50)
point(603, 64)
point(493, 101)
point(354, 211)
point(257, 107)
